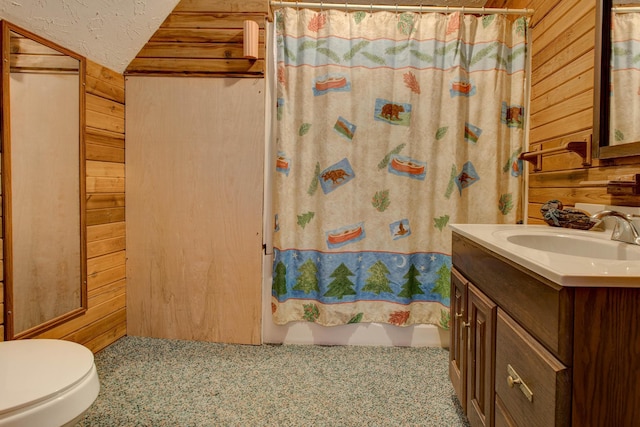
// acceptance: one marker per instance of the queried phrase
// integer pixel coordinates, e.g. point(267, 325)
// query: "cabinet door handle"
point(514, 379)
point(459, 315)
point(466, 324)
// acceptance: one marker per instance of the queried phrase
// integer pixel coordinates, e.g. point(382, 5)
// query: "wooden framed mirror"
point(616, 128)
point(43, 183)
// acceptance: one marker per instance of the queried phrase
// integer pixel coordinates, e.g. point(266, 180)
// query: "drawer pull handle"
point(514, 379)
point(459, 315)
point(466, 324)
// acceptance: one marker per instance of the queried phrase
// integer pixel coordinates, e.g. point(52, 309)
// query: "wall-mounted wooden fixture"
point(582, 148)
point(624, 185)
point(205, 38)
point(250, 39)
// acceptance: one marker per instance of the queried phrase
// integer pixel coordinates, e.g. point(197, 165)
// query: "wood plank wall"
point(105, 319)
point(31, 56)
point(1, 272)
point(562, 82)
point(204, 38)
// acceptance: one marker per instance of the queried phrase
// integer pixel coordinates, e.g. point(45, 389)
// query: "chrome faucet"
point(624, 230)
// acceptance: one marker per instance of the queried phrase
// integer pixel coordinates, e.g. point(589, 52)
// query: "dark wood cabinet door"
point(458, 345)
point(480, 358)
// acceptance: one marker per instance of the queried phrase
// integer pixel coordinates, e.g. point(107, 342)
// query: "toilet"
point(45, 383)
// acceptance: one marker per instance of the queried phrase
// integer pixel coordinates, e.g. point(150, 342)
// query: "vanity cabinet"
point(472, 355)
point(526, 351)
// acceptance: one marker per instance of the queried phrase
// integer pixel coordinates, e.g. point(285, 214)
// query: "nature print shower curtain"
point(625, 78)
point(390, 126)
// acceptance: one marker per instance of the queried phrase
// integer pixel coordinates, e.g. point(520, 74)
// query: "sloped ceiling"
point(109, 32)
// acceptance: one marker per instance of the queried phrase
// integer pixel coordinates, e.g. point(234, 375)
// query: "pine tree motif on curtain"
point(389, 128)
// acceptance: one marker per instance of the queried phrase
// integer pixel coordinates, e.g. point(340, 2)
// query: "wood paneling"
point(191, 67)
point(194, 208)
point(105, 319)
point(204, 38)
point(542, 9)
point(222, 6)
point(607, 329)
point(569, 67)
point(206, 19)
point(564, 24)
point(575, 104)
point(562, 82)
point(30, 56)
point(104, 83)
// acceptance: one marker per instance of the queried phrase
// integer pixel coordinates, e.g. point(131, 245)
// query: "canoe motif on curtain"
point(389, 127)
point(625, 79)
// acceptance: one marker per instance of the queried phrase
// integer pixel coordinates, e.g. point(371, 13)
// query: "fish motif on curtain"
point(389, 127)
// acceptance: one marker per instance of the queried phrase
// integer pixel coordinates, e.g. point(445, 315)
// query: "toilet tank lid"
point(36, 369)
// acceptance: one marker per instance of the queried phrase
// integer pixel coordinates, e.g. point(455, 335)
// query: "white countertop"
point(566, 270)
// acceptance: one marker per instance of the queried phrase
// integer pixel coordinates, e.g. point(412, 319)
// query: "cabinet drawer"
point(532, 385)
point(501, 417)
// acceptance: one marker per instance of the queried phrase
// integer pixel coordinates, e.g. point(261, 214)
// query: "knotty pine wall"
point(562, 82)
point(204, 38)
point(105, 319)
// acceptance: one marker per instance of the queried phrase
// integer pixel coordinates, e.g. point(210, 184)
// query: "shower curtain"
point(625, 79)
point(389, 127)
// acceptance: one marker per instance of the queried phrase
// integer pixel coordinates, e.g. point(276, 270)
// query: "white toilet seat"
point(45, 382)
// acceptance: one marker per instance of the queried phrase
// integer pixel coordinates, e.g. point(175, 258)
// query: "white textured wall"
point(109, 32)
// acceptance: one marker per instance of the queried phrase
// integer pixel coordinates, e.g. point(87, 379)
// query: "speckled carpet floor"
point(157, 382)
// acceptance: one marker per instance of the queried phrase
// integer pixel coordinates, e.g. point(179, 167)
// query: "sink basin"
point(581, 246)
point(568, 257)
